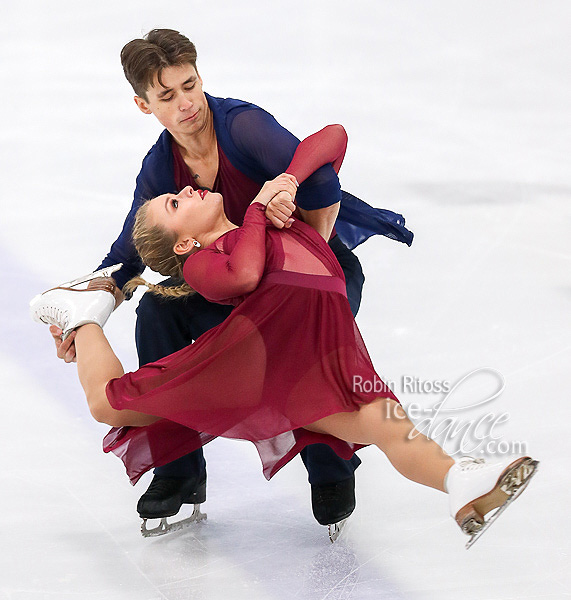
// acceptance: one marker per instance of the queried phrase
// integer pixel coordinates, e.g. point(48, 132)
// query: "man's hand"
point(279, 210)
point(66, 349)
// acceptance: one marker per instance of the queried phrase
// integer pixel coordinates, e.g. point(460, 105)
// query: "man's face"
point(179, 103)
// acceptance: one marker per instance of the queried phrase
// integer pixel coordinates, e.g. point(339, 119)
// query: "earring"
point(196, 244)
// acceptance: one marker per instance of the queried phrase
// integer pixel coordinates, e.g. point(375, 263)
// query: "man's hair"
point(145, 57)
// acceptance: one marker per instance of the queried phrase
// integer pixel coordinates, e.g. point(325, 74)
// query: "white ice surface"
point(458, 115)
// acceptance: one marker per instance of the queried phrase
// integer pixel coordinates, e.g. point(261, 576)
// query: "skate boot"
point(333, 504)
point(68, 307)
point(476, 487)
point(164, 498)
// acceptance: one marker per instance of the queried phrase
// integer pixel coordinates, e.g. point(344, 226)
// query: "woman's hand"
point(66, 349)
point(284, 183)
point(279, 210)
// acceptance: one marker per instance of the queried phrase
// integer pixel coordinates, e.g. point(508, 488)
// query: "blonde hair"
point(155, 247)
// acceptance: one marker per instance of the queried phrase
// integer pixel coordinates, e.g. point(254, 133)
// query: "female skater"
point(292, 332)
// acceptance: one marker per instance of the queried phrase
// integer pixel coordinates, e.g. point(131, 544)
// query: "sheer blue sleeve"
point(123, 250)
point(270, 148)
point(155, 178)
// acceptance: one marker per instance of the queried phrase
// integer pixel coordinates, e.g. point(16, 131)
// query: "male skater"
point(231, 147)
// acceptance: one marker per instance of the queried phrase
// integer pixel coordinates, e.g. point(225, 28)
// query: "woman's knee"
point(347, 426)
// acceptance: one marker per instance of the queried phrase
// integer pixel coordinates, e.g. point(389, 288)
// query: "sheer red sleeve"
point(325, 146)
point(218, 276)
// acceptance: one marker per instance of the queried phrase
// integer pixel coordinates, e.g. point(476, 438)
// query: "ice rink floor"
point(458, 115)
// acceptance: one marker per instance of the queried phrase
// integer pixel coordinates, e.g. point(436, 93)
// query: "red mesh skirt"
point(288, 355)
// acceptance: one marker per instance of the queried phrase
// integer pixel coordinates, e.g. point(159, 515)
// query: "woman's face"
point(191, 213)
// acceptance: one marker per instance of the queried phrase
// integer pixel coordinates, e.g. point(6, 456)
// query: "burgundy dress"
point(289, 354)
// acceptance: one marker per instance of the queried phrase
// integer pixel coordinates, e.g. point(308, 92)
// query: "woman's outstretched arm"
point(96, 366)
point(218, 276)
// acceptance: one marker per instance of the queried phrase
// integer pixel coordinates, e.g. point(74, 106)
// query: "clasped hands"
point(277, 196)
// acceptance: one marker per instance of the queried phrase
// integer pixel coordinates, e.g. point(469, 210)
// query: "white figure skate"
point(476, 487)
point(68, 307)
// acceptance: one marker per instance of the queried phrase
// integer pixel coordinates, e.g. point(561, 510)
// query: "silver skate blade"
point(335, 529)
point(528, 471)
point(165, 527)
point(105, 272)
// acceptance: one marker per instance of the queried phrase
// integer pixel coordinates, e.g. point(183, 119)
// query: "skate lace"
point(471, 464)
point(327, 493)
point(53, 315)
point(163, 486)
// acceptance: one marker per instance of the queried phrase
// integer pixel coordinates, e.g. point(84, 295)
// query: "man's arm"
point(150, 183)
point(268, 149)
point(123, 250)
point(155, 177)
point(321, 219)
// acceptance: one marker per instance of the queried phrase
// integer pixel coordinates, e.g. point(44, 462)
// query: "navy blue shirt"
point(260, 148)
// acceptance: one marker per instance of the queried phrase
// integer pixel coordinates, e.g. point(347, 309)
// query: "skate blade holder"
point(510, 485)
point(165, 527)
point(335, 529)
point(105, 272)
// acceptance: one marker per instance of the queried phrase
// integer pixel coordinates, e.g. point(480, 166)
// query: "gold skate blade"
point(513, 476)
point(513, 482)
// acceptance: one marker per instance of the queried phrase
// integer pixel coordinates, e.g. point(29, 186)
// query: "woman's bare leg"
point(96, 366)
point(385, 424)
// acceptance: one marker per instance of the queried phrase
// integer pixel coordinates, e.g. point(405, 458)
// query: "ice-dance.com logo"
point(465, 429)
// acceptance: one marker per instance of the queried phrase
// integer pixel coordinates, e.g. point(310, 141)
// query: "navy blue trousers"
point(165, 326)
